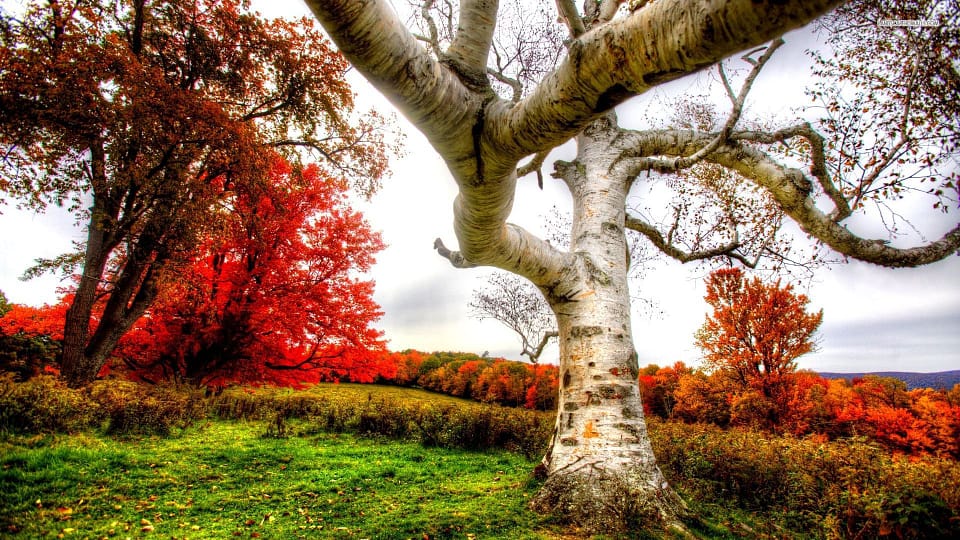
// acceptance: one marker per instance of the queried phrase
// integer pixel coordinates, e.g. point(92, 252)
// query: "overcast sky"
point(875, 319)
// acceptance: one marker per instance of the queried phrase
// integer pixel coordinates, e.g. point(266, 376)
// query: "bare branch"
point(570, 15)
point(668, 248)
point(893, 153)
point(514, 84)
point(534, 354)
point(535, 165)
point(455, 257)
point(518, 305)
point(738, 102)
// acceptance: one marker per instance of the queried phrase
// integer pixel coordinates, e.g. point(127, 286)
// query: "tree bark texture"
point(78, 368)
point(601, 470)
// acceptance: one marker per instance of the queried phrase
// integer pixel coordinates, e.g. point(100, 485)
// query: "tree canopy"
point(143, 116)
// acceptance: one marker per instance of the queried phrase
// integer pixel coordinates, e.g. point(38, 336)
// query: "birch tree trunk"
point(601, 471)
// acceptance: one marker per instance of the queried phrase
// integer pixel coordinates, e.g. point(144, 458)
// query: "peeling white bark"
point(600, 451)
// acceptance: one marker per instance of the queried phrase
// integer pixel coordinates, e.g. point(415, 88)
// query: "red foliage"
point(31, 338)
point(35, 321)
point(657, 387)
point(150, 115)
point(915, 422)
point(755, 332)
point(407, 366)
point(272, 296)
point(491, 380)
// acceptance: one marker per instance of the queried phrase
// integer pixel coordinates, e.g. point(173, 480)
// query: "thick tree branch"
point(618, 60)
point(482, 138)
point(789, 187)
point(471, 46)
point(374, 39)
point(434, 38)
point(608, 8)
point(626, 57)
point(818, 158)
point(571, 17)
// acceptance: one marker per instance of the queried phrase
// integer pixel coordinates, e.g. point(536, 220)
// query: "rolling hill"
point(940, 380)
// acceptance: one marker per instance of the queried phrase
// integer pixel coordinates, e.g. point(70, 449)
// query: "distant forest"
point(942, 380)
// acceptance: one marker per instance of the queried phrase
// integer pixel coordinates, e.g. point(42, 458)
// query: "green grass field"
point(225, 479)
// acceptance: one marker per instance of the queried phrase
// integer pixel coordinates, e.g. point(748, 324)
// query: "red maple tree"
point(273, 295)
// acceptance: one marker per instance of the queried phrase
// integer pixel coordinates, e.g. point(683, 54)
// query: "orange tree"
point(142, 116)
point(754, 335)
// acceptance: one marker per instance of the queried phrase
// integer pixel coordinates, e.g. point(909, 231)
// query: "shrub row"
point(845, 489)
point(45, 404)
point(468, 426)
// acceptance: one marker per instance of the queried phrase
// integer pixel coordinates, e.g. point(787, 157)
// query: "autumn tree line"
point(210, 330)
point(797, 402)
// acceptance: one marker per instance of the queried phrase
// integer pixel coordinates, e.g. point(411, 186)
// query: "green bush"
point(26, 356)
point(479, 427)
point(385, 417)
point(840, 489)
point(150, 410)
point(44, 404)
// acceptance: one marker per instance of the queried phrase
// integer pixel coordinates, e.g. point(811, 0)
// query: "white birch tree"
point(601, 471)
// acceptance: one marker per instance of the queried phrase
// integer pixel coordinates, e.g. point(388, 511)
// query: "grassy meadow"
point(226, 479)
point(361, 461)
